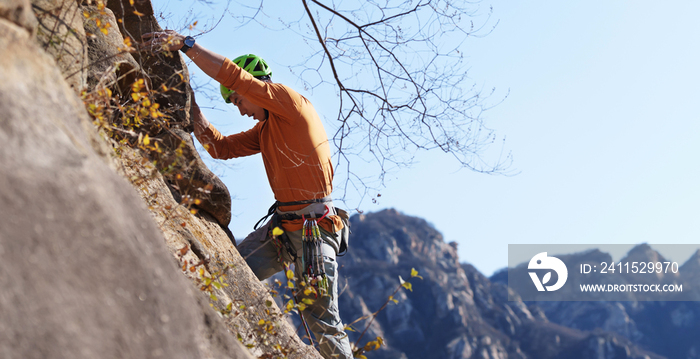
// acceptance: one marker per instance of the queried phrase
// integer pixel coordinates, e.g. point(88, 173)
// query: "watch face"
point(189, 41)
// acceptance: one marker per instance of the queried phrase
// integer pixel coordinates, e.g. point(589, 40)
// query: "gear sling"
point(277, 219)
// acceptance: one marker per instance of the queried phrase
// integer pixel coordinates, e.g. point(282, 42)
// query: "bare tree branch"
point(399, 70)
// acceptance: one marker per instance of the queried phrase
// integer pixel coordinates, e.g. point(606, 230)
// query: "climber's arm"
point(219, 146)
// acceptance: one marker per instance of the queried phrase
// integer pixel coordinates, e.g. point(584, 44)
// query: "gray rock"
point(189, 176)
point(166, 69)
point(20, 13)
point(108, 65)
point(84, 270)
point(61, 34)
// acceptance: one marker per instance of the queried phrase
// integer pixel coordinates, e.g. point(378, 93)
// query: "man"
point(296, 154)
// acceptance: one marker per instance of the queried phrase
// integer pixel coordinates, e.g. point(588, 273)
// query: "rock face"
point(91, 265)
point(62, 35)
point(84, 270)
point(454, 311)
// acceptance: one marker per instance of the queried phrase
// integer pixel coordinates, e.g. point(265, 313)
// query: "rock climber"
point(305, 228)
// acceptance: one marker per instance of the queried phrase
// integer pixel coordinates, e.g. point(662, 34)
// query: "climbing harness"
point(289, 216)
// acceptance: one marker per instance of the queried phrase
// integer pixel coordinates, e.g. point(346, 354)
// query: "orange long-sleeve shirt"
point(292, 140)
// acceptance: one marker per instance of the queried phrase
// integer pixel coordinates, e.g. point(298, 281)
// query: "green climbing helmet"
point(254, 65)
point(225, 93)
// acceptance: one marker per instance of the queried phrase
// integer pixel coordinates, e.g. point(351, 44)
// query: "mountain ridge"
point(458, 312)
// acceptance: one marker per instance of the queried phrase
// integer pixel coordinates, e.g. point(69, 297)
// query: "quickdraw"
point(312, 254)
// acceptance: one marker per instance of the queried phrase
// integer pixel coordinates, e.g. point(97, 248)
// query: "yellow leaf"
point(374, 345)
point(261, 322)
point(86, 14)
point(290, 274)
point(407, 285)
point(414, 273)
point(138, 13)
point(277, 231)
point(127, 41)
point(146, 140)
point(193, 211)
point(197, 201)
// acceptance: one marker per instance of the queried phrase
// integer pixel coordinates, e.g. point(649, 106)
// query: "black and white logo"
point(541, 261)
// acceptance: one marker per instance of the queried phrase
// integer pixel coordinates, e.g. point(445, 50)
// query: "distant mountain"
point(669, 328)
point(691, 268)
point(455, 312)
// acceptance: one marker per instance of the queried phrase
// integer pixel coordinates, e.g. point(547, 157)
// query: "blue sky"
point(602, 116)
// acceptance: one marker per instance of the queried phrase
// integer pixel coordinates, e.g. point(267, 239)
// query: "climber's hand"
point(167, 40)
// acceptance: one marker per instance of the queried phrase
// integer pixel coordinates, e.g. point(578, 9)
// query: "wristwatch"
point(187, 44)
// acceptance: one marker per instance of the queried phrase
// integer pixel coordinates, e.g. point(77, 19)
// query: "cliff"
point(106, 204)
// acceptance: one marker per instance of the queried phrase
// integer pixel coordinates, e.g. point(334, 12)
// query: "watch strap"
point(187, 44)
